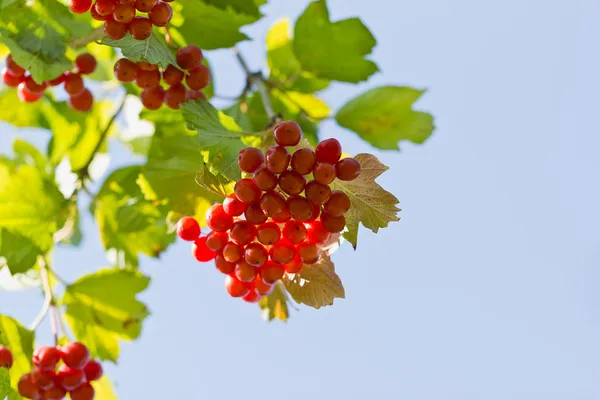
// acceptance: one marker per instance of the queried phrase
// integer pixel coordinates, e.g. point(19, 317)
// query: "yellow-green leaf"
point(371, 205)
point(104, 389)
point(19, 341)
point(274, 306)
point(4, 382)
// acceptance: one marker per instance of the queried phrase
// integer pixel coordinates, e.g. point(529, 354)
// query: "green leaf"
point(102, 309)
point(284, 66)
point(212, 26)
point(219, 137)
point(19, 341)
point(384, 116)
point(371, 205)
point(317, 285)
point(4, 383)
point(14, 113)
point(19, 252)
point(215, 183)
point(239, 6)
point(144, 230)
point(104, 389)
point(153, 50)
point(30, 204)
point(334, 51)
point(274, 306)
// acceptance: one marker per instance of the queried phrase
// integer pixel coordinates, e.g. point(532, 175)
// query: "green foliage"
point(384, 116)
point(20, 253)
point(153, 50)
point(19, 341)
point(274, 306)
point(101, 317)
point(4, 383)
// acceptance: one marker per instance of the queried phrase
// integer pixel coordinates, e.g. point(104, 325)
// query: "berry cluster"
point(148, 77)
point(29, 91)
point(120, 16)
point(73, 376)
point(267, 227)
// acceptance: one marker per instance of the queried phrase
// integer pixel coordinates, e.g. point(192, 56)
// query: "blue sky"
point(488, 286)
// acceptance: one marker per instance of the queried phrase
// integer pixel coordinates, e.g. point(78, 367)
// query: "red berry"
point(58, 80)
point(235, 287)
point(271, 272)
point(217, 219)
point(189, 57)
point(277, 159)
point(175, 95)
point(97, 16)
point(14, 68)
point(283, 216)
point(27, 388)
point(250, 159)
point(124, 13)
point(338, 204)
point(33, 86)
point(9, 79)
point(69, 378)
point(347, 169)
point(252, 297)
point(6, 358)
point(188, 229)
point(161, 14)
point(264, 179)
point(75, 355)
point(294, 231)
point(80, 6)
point(46, 357)
point(27, 96)
point(125, 70)
point(85, 63)
point(256, 255)
point(261, 287)
point(245, 272)
point(146, 66)
point(115, 30)
point(308, 253)
point(295, 266)
point(246, 191)
point(317, 193)
point(300, 208)
point(255, 215)
point(81, 101)
point(233, 206)
point(196, 94)
point(268, 233)
point(217, 240)
point(329, 151)
point(54, 393)
point(324, 173)
point(317, 233)
point(93, 370)
point(272, 204)
point(104, 7)
point(140, 28)
point(282, 252)
point(223, 265)
point(83, 392)
point(147, 79)
point(173, 75)
point(287, 133)
point(43, 379)
point(152, 98)
point(145, 5)
point(333, 224)
point(242, 233)
point(232, 252)
point(198, 78)
point(292, 182)
point(201, 252)
point(73, 84)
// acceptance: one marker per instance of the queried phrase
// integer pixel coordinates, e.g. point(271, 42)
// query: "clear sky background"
point(489, 286)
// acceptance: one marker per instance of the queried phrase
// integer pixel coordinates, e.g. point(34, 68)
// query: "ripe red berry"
point(245, 272)
point(287, 133)
point(198, 78)
point(83, 392)
point(294, 231)
point(338, 204)
point(252, 297)
point(80, 6)
point(256, 255)
point(188, 229)
point(233, 252)
point(292, 182)
point(115, 30)
point(145, 5)
point(217, 219)
point(272, 204)
point(81, 101)
point(124, 13)
point(54, 393)
point(317, 233)
point(14, 68)
point(97, 16)
point(242, 233)
point(283, 216)
point(104, 7)
point(9, 79)
point(268, 233)
point(261, 287)
point(196, 94)
point(125, 70)
point(300, 208)
point(189, 57)
point(146, 66)
point(75, 355)
point(175, 95)
point(153, 97)
point(295, 266)
point(282, 252)
point(161, 14)
point(201, 252)
point(329, 151)
point(6, 358)
point(271, 273)
point(173, 75)
point(27, 96)
point(235, 287)
point(33, 86)
point(43, 379)
point(254, 214)
point(233, 206)
point(308, 253)
point(217, 240)
point(303, 161)
point(73, 84)
point(246, 191)
point(69, 378)
point(58, 80)
point(333, 224)
point(347, 169)
point(317, 193)
point(250, 159)
point(324, 173)
point(140, 28)
point(27, 387)
point(93, 370)
point(223, 265)
point(264, 179)
point(277, 159)
point(46, 357)
point(315, 214)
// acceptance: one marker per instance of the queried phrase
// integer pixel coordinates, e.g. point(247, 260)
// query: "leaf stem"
point(48, 299)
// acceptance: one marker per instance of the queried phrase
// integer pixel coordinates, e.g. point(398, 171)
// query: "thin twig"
point(48, 297)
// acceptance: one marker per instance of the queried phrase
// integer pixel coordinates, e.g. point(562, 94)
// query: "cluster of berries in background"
point(121, 16)
point(149, 76)
point(29, 91)
point(47, 382)
point(275, 221)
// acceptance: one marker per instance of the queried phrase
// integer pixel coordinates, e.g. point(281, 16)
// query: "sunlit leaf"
point(274, 306)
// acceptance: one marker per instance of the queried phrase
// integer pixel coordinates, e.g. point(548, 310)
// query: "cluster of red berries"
point(281, 230)
point(73, 376)
point(148, 77)
point(120, 16)
point(29, 91)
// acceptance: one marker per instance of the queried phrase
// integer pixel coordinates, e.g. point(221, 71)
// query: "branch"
point(48, 296)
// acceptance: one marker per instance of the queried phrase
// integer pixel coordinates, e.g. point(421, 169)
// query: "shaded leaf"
point(274, 306)
point(19, 253)
point(334, 51)
point(102, 309)
point(153, 50)
point(215, 182)
point(384, 116)
point(371, 205)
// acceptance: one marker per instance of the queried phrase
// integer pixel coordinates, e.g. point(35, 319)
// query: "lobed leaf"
point(153, 50)
point(19, 341)
point(274, 306)
point(215, 183)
